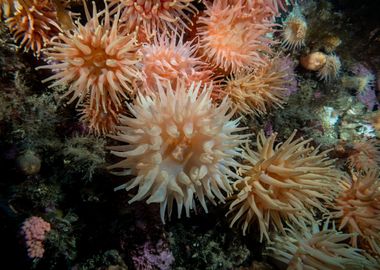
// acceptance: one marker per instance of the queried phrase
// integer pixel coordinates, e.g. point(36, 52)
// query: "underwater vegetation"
point(189, 134)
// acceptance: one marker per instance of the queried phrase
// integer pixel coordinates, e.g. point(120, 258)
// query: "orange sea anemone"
point(282, 183)
point(365, 155)
point(180, 146)
point(100, 121)
point(315, 248)
point(154, 15)
point(233, 39)
point(357, 208)
point(268, 86)
point(6, 7)
point(294, 30)
point(33, 24)
point(169, 59)
point(95, 62)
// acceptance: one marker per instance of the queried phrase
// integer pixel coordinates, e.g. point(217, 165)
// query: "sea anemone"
point(168, 59)
point(255, 91)
point(357, 208)
point(294, 30)
point(327, 66)
point(6, 7)
point(232, 39)
point(154, 15)
point(95, 62)
point(286, 182)
point(330, 43)
point(179, 145)
point(330, 70)
point(364, 83)
point(33, 24)
point(315, 248)
point(99, 121)
point(313, 61)
point(365, 155)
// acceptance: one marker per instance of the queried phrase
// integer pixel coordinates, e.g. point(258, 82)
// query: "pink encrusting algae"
point(34, 229)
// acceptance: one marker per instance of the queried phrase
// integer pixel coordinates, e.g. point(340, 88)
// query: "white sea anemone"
point(179, 145)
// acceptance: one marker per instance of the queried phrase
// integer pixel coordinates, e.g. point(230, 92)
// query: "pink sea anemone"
point(94, 61)
point(180, 147)
point(172, 59)
point(233, 39)
point(154, 15)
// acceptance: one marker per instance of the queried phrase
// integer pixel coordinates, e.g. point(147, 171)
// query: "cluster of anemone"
point(145, 73)
point(129, 46)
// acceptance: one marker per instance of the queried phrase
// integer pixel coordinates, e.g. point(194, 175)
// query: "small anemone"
point(318, 247)
point(294, 30)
